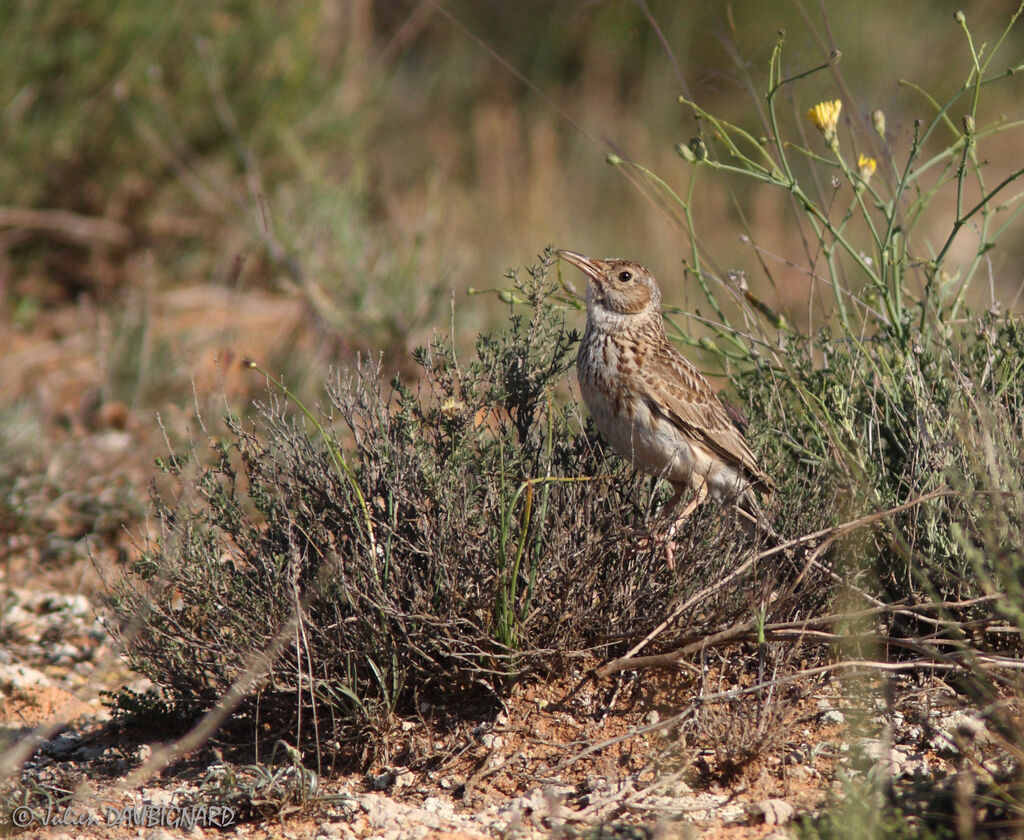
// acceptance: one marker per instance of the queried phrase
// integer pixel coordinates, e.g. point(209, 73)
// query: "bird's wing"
point(675, 388)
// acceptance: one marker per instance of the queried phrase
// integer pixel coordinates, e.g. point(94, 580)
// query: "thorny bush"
point(437, 543)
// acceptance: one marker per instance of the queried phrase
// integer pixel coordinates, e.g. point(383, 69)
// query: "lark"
point(650, 403)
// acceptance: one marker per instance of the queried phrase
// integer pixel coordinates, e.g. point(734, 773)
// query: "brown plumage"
point(652, 405)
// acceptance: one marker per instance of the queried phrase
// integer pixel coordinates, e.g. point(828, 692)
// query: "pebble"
point(438, 806)
point(773, 811)
point(379, 809)
point(332, 831)
point(21, 677)
point(113, 443)
point(381, 781)
point(403, 779)
point(63, 654)
point(63, 745)
point(956, 731)
point(874, 751)
point(161, 798)
point(911, 763)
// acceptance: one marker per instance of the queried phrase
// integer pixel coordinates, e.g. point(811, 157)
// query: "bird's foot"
point(668, 539)
point(665, 541)
point(670, 555)
point(670, 545)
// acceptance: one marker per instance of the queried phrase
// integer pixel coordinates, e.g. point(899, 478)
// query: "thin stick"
point(827, 535)
point(86, 230)
point(852, 665)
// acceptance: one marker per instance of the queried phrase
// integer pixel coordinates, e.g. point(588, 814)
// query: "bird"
point(651, 404)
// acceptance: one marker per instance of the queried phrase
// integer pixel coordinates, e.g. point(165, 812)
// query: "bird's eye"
point(625, 276)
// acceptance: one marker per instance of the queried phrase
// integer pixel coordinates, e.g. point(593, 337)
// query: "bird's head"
point(616, 286)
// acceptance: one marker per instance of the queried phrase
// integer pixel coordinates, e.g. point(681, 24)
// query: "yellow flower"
point(825, 116)
point(867, 166)
point(451, 407)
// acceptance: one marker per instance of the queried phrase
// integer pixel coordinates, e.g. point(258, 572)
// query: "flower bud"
point(866, 166)
point(878, 120)
point(685, 152)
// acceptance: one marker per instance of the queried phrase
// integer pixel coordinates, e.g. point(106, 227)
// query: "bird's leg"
point(670, 505)
point(694, 503)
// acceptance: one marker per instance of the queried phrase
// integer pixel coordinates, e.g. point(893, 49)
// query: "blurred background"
point(188, 183)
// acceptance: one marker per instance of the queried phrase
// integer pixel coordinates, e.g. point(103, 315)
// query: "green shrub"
point(901, 397)
point(885, 425)
point(903, 408)
point(433, 544)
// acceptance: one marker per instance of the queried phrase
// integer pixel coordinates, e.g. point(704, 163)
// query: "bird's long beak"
point(588, 265)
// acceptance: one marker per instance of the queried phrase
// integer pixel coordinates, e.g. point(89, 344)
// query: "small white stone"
point(774, 811)
point(161, 798)
point(440, 807)
point(404, 780)
point(332, 831)
point(380, 810)
point(21, 677)
point(956, 731)
point(381, 781)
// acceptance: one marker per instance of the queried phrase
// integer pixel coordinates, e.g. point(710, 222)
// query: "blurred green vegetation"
point(313, 141)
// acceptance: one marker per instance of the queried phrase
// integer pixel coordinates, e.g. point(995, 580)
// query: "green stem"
point(962, 220)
